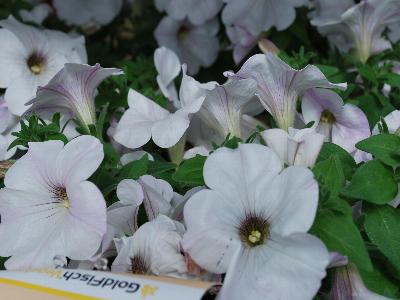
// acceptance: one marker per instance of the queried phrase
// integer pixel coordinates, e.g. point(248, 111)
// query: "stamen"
point(35, 63)
point(327, 117)
point(59, 194)
point(183, 33)
point(139, 265)
point(254, 230)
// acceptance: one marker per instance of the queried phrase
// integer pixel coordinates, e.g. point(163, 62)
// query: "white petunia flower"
point(145, 119)
point(196, 46)
point(153, 249)
point(251, 224)
point(361, 27)
point(73, 89)
point(54, 210)
point(197, 12)
point(32, 57)
point(87, 12)
point(260, 15)
point(280, 86)
point(296, 147)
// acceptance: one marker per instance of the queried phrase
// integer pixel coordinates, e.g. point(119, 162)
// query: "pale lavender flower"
point(361, 27)
point(32, 57)
point(197, 12)
point(280, 86)
point(54, 210)
point(242, 41)
point(342, 124)
point(260, 15)
point(87, 12)
point(37, 15)
point(197, 46)
point(73, 89)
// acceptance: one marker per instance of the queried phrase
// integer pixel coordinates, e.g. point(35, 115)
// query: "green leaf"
point(382, 225)
point(330, 173)
point(329, 149)
point(377, 282)
point(384, 147)
point(156, 168)
point(191, 171)
point(135, 169)
point(339, 233)
point(372, 182)
point(391, 79)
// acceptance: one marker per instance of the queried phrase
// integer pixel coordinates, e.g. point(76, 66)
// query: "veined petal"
point(279, 86)
point(222, 108)
point(284, 268)
point(74, 87)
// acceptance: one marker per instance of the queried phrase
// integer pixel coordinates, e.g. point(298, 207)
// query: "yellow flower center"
point(35, 63)
point(327, 117)
point(254, 237)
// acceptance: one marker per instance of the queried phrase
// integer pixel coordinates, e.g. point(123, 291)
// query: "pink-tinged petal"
point(284, 268)
point(86, 223)
point(209, 223)
point(79, 159)
point(256, 165)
